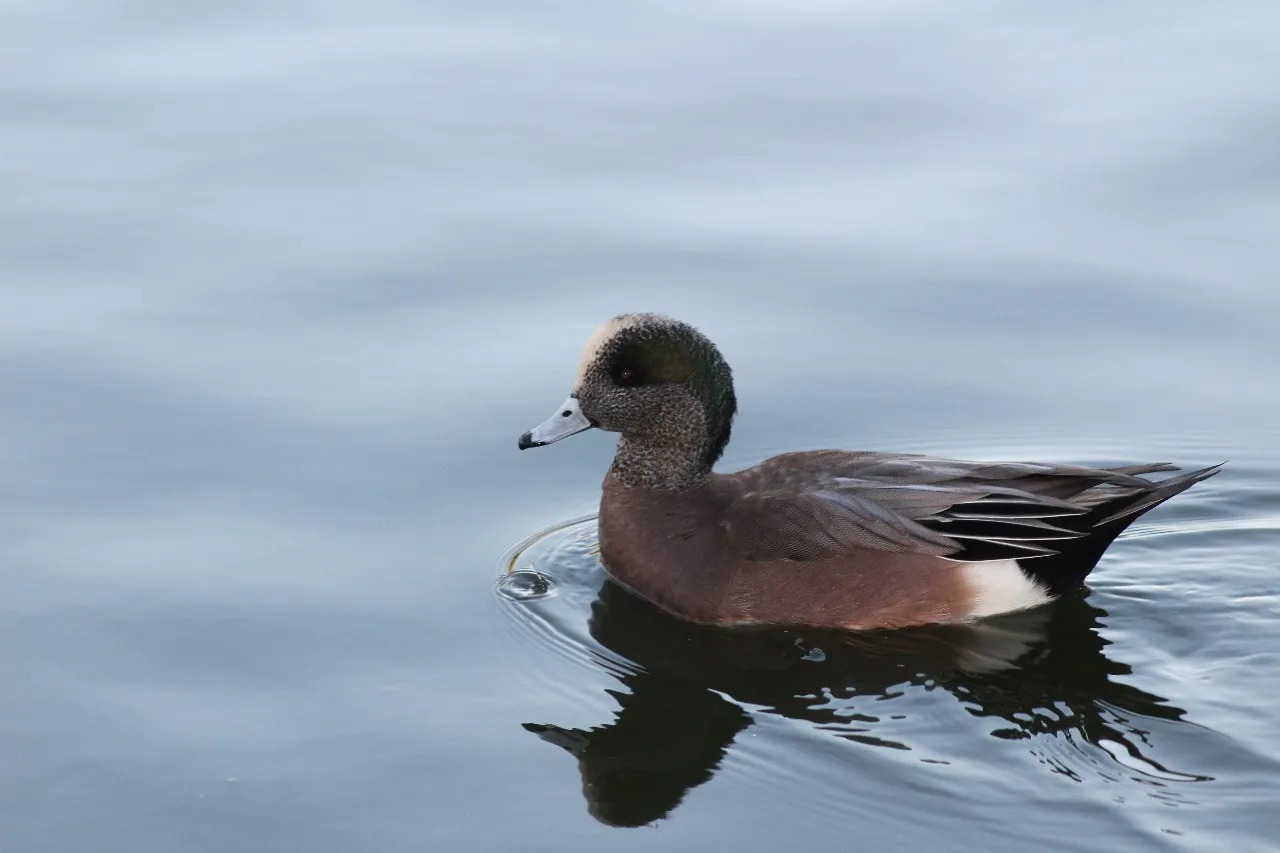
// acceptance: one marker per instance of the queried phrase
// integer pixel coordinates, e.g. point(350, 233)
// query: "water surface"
point(283, 282)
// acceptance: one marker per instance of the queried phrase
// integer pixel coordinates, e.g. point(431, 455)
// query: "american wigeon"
point(830, 538)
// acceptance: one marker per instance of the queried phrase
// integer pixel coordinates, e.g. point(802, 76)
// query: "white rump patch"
point(999, 586)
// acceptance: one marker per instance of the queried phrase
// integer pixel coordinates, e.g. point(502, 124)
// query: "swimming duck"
point(827, 538)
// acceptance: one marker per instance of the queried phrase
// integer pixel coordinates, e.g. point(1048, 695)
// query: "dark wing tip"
point(1161, 492)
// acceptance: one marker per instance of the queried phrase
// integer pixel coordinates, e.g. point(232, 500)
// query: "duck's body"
point(814, 538)
point(648, 539)
point(829, 538)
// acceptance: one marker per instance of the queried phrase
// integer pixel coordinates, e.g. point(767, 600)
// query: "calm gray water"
point(283, 282)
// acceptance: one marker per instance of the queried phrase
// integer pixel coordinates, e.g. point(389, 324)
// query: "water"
point(283, 282)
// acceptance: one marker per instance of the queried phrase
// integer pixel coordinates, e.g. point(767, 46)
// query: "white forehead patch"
point(602, 336)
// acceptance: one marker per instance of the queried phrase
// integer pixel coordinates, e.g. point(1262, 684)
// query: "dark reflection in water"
point(1043, 673)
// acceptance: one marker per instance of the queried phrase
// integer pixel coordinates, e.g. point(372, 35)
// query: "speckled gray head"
point(659, 382)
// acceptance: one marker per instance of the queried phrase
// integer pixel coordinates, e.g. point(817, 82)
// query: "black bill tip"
point(526, 441)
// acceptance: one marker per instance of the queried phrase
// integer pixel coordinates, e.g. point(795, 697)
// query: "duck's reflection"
point(1042, 672)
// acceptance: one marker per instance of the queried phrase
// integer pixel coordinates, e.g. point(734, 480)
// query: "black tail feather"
point(1067, 569)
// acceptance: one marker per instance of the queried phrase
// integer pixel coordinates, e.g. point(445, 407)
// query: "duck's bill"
point(568, 420)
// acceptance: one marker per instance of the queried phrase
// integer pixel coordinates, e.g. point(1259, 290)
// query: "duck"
point(842, 539)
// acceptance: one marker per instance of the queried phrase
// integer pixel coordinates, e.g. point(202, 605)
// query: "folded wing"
point(828, 503)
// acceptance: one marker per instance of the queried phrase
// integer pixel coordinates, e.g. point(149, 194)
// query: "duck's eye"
point(625, 376)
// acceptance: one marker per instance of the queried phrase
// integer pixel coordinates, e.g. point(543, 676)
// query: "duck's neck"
point(669, 464)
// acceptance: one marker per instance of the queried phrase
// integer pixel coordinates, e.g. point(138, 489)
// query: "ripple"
point(527, 585)
point(564, 560)
point(1147, 531)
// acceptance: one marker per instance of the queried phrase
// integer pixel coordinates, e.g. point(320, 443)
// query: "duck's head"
point(661, 384)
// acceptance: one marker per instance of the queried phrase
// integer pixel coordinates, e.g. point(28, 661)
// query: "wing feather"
point(827, 503)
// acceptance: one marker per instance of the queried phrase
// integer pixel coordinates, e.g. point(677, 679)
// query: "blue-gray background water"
point(283, 282)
